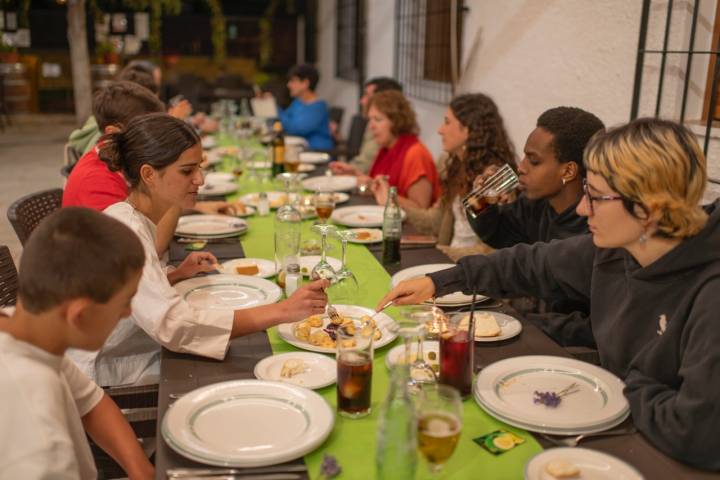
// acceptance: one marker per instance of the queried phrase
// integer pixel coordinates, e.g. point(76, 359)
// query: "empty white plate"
point(295, 140)
point(247, 423)
point(314, 157)
point(593, 465)
point(306, 167)
point(204, 225)
point(335, 183)
point(228, 292)
point(320, 370)
point(218, 188)
point(266, 267)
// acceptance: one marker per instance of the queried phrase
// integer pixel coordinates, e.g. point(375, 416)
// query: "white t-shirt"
point(463, 234)
point(43, 399)
point(160, 316)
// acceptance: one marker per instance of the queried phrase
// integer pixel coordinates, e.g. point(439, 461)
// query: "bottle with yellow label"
point(278, 149)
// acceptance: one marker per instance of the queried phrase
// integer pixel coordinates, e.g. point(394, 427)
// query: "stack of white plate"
point(204, 226)
point(505, 390)
point(456, 299)
point(247, 423)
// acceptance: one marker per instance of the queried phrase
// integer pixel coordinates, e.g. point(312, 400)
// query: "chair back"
point(27, 212)
point(355, 136)
point(8, 278)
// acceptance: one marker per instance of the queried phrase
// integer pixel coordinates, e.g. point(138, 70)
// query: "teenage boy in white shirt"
point(78, 273)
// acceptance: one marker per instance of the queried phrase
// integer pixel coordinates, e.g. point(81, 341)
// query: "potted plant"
point(8, 53)
point(105, 53)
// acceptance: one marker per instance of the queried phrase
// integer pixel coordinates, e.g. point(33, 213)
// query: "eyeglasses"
point(598, 198)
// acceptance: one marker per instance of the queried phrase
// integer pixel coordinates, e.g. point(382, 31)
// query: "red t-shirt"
point(91, 184)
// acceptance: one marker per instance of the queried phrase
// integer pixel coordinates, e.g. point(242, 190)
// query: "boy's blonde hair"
point(657, 165)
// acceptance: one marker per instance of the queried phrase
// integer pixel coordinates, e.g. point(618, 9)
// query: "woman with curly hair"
point(473, 138)
point(649, 271)
point(403, 161)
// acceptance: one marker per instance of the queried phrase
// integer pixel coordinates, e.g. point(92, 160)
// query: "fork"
point(573, 441)
point(333, 314)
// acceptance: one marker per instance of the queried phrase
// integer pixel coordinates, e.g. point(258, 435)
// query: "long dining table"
point(353, 443)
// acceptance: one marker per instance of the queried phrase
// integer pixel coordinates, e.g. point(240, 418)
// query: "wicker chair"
point(26, 213)
point(8, 278)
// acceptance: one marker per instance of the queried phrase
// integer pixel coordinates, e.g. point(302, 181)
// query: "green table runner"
point(352, 442)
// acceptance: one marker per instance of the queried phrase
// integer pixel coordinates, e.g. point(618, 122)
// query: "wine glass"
point(439, 411)
point(323, 269)
point(324, 205)
point(346, 286)
point(412, 326)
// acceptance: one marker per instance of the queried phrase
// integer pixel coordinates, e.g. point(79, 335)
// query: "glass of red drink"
point(456, 355)
point(354, 370)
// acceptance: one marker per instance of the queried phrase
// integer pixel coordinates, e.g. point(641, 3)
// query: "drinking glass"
point(439, 410)
point(292, 158)
point(354, 370)
point(323, 269)
point(324, 205)
point(412, 327)
point(457, 347)
point(346, 285)
point(504, 180)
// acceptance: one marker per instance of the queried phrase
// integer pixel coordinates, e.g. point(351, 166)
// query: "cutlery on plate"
point(573, 441)
point(381, 309)
point(204, 472)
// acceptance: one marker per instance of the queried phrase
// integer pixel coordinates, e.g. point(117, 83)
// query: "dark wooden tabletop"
point(181, 373)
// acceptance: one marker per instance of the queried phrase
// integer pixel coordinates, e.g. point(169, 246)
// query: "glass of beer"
point(324, 205)
point(456, 354)
point(292, 158)
point(354, 369)
point(439, 410)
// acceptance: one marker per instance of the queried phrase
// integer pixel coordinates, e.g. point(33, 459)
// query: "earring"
point(564, 181)
point(643, 238)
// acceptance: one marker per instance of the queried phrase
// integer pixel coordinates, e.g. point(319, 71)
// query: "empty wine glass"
point(323, 269)
point(411, 326)
point(346, 285)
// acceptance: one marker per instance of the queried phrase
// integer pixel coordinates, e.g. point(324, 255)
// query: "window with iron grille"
point(349, 31)
point(428, 37)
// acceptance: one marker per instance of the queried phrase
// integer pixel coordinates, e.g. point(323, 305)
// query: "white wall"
point(531, 55)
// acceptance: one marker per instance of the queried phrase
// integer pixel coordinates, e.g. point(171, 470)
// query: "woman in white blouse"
point(160, 157)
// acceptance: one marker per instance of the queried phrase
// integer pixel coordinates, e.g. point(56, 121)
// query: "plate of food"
point(306, 369)
point(339, 197)
point(493, 326)
point(365, 235)
point(431, 356)
point(578, 463)
point(258, 267)
point(276, 199)
point(314, 157)
point(316, 333)
point(367, 216)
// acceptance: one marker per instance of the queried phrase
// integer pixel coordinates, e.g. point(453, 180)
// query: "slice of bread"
point(486, 325)
point(560, 468)
point(249, 269)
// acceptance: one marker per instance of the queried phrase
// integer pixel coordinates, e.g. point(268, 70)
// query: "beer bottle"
point(278, 149)
point(392, 229)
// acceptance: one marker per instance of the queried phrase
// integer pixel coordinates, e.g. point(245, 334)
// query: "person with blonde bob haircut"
point(649, 271)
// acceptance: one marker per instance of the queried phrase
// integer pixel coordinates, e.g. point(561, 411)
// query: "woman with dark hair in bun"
point(160, 157)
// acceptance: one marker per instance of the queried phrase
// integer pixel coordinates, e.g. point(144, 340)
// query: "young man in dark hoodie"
point(649, 271)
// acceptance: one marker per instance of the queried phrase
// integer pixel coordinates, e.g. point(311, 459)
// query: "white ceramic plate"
point(276, 199)
point(360, 216)
point(247, 423)
point(219, 177)
point(266, 267)
point(320, 370)
point(228, 292)
point(397, 354)
point(339, 197)
point(208, 142)
point(215, 226)
point(453, 299)
point(593, 465)
point(506, 388)
point(375, 235)
point(314, 157)
point(335, 183)
point(509, 326)
point(306, 167)
point(259, 165)
point(307, 262)
point(295, 140)
point(383, 322)
point(218, 188)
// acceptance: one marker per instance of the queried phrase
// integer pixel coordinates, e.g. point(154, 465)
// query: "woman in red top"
point(403, 161)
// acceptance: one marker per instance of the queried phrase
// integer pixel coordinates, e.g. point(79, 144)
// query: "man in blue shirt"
point(307, 116)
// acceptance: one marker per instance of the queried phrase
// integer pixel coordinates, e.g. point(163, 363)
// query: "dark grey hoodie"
point(657, 327)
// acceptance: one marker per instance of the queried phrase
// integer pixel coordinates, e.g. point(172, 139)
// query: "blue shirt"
point(310, 121)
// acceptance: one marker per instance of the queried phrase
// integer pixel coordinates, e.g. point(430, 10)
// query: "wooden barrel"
point(17, 91)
